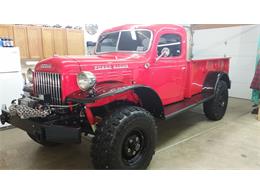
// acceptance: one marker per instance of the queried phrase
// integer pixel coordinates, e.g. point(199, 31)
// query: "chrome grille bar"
point(39, 82)
point(48, 83)
point(57, 91)
point(43, 83)
point(58, 88)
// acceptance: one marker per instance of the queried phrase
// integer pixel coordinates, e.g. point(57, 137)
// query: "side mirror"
point(164, 53)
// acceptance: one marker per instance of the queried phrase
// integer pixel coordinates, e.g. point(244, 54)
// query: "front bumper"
point(45, 130)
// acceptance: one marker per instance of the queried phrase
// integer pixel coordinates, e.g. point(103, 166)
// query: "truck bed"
point(198, 69)
point(194, 95)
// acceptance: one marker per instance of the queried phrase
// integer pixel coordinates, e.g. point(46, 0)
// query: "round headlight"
point(86, 80)
point(30, 75)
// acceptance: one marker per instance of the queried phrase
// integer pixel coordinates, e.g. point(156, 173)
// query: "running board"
point(179, 107)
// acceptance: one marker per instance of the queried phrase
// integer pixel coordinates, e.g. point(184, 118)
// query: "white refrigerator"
point(11, 80)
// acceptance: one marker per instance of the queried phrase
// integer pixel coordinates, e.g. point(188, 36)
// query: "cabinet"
point(6, 31)
point(75, 42)
point(47, 42)
point(36, 42)
point(34, 35)
point(21, 41)
point(60, 42)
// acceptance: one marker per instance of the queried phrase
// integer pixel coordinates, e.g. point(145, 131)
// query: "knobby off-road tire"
point(215, 109)
point(125, 139)
point(42, 141)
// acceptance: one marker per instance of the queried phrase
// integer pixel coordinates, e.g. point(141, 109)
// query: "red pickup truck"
point(138, 73)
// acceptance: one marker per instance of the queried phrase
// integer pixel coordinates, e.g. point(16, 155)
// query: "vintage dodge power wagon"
point(138, 73)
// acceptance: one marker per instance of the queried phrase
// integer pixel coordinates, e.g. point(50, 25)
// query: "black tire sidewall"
point(145, 126)
point(211, 108)
point(110, 135)
point(222, 89)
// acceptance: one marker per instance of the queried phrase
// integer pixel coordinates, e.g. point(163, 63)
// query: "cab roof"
point(153, 27)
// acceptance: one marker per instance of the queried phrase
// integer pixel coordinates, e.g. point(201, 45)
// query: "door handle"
point(147, 65)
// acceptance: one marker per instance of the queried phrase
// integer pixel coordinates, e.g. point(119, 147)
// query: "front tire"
point(216, 108)
point(125, 140)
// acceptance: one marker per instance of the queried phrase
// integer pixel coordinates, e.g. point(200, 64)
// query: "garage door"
point(239, 43)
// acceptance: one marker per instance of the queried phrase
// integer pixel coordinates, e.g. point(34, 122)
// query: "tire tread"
point(103, 150)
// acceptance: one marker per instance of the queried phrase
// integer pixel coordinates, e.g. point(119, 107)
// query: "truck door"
point(168, 72)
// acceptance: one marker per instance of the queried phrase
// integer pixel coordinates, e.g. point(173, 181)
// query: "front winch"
point(25, 112)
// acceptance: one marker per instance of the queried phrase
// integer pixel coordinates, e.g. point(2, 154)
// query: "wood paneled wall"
point(43, 42)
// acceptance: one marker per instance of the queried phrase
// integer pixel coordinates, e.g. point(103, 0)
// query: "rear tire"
point(125, 140)
point(41, 140)
point(215, 108)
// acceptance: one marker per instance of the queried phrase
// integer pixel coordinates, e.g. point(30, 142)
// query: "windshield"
point(132, 41)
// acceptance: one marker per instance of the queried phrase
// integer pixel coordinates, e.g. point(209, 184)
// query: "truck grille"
point(48, 83)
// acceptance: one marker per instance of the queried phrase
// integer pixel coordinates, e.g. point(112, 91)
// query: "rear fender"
point(212, 80)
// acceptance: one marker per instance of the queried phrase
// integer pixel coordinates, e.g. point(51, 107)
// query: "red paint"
point(172, 78)
point(70, 106)
point(89, 115)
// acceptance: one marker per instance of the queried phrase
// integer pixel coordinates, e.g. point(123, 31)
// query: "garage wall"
point(239, 43)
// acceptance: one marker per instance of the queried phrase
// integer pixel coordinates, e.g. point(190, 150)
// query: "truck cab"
point(138, 73)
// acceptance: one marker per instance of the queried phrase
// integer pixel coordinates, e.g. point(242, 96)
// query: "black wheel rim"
point(133, 147)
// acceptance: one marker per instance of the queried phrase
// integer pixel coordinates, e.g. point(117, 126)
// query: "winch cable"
point(63, 106)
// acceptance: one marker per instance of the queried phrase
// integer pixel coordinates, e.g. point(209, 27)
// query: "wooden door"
point(35, 42)
point(47, 42)
point(75, 41)
point(21, 41)
point(6, 31)
point(60, 42)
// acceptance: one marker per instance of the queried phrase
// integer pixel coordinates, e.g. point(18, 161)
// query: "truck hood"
point(76, 64)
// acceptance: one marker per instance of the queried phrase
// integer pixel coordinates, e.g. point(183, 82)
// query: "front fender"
point(102, 90)
point(110, 92)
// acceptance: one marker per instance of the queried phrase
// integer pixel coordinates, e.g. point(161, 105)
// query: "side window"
point(171, 42)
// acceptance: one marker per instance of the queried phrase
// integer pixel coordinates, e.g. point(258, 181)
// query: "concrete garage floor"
point(188, 141)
